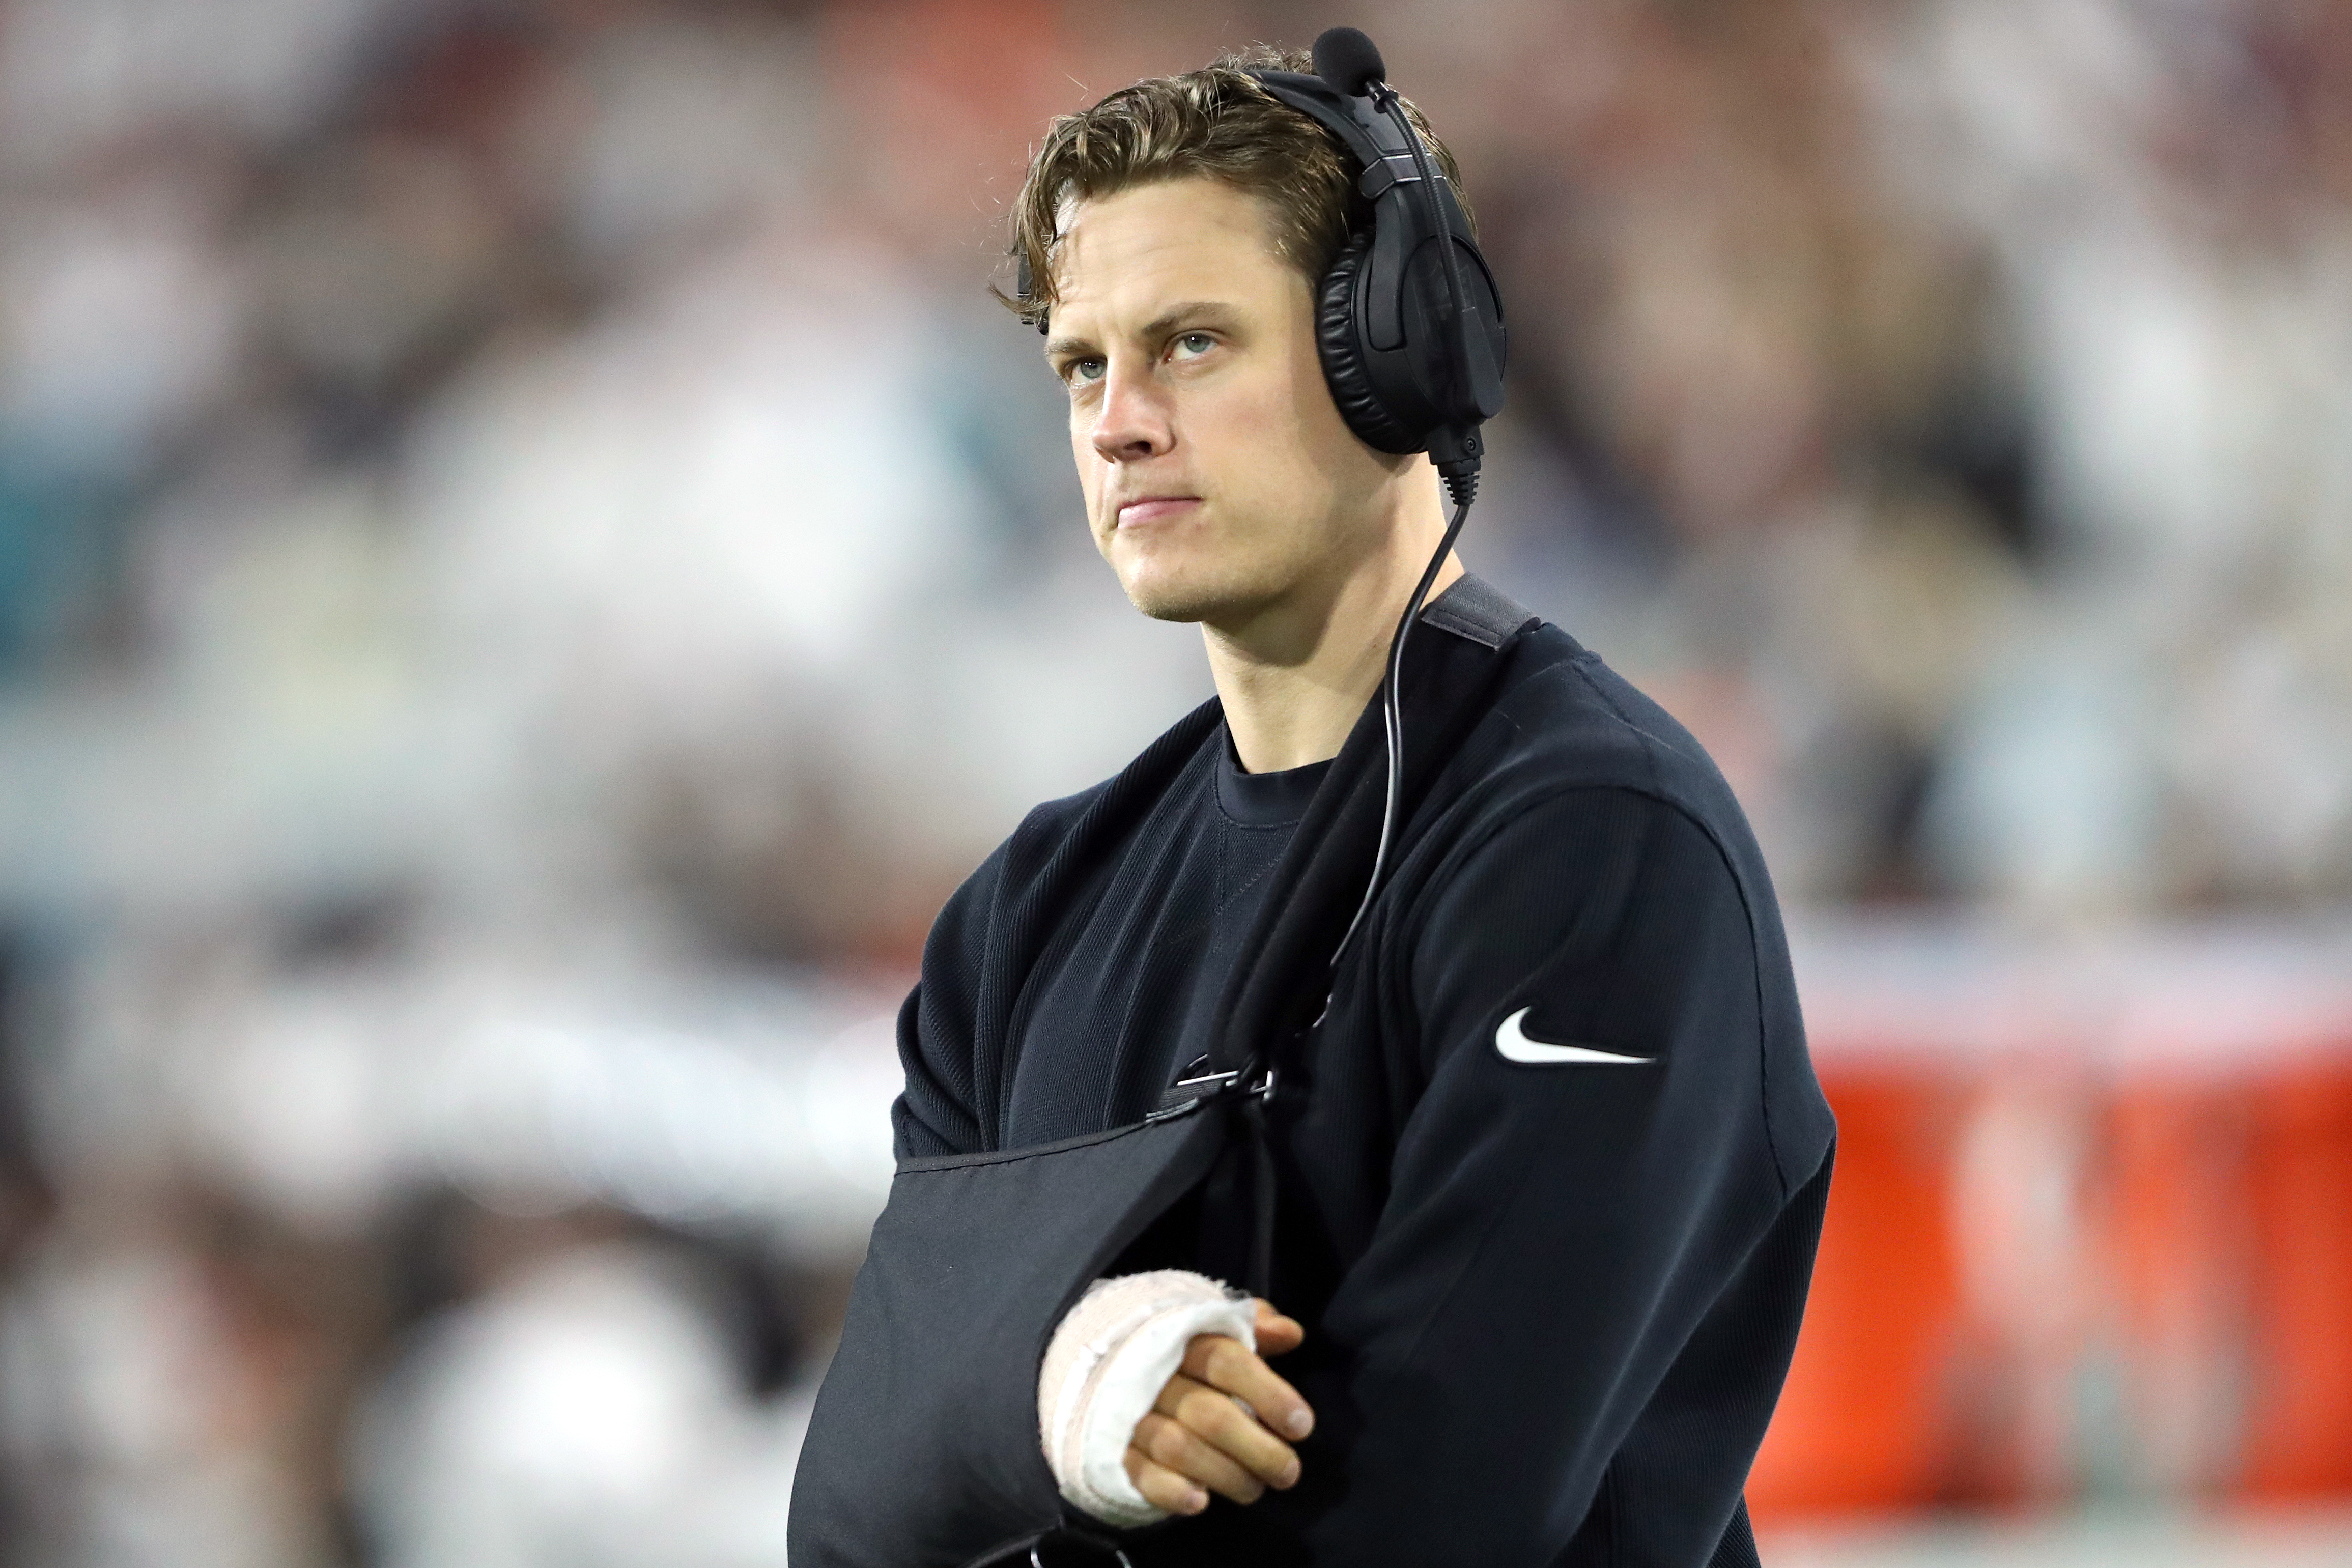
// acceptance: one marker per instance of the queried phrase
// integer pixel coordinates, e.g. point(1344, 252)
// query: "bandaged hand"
point(1213, 1427)
point(1155, 1392)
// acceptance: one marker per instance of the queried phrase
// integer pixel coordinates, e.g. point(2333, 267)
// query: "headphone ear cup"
point(1341, 348)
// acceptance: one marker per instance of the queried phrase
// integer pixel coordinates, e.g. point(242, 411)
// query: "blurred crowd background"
point(531, 563)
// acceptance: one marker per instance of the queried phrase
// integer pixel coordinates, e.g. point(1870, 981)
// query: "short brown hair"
point(1216, 123)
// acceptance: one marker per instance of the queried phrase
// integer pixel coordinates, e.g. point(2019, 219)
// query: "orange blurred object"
point(2092, 1219)
point(2298, 1432)
point(1857, 1427)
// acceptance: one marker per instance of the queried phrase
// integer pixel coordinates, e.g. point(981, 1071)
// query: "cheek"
point(1280, 430)
point(1248, 433)
point(1316, 416)
point(1273, 406)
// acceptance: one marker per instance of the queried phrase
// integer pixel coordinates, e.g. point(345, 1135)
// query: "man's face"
point(1219, 477)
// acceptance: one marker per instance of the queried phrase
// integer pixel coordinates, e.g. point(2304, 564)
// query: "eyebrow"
point(1160, 326)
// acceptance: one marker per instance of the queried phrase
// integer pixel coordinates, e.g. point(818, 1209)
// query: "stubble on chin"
point(1177, 598)
point(1197, 590)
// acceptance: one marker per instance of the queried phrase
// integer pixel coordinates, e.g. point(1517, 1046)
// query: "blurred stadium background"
point(530, 563)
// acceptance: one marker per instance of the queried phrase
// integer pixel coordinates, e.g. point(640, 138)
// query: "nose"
point(1132, 421)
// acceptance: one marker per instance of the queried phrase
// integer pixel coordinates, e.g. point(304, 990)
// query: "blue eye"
point(1196, 343)
point(1079, 372)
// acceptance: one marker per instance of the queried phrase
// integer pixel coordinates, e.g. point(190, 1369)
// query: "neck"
point(1295, 673)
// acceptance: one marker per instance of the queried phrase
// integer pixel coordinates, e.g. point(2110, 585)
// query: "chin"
point(1190, 596)
point(1176, 601)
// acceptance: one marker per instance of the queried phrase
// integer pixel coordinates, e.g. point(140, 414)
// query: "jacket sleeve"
point(1585, 1169)
point(938, 1112)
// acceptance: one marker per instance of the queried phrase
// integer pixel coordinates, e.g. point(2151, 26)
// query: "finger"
point(1161, 1487)
point(1228, 1365)
point(1175, 1447)
point(1277, 1335)
point(1216, 1420)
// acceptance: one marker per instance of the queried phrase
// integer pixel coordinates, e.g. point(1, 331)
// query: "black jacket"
point(1551, 1294)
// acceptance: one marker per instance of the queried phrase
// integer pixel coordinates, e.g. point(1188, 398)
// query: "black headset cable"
point(1461, 477)
point(1392, 718)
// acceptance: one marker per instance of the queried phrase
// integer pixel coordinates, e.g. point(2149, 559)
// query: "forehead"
point(1170, 237)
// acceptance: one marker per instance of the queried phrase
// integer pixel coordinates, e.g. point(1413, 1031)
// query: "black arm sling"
point(923, 1451)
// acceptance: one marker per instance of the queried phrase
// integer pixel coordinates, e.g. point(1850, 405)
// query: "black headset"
point(1410, 326)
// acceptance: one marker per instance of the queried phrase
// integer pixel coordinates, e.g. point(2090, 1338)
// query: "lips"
point(1154, 509)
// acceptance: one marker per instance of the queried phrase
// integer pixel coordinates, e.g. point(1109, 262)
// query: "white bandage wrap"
point(1109, 1358)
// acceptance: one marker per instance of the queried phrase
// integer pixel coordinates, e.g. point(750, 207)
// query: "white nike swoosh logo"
point(1513, 1042)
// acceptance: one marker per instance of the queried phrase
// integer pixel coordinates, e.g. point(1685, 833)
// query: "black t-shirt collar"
point(1263, 799)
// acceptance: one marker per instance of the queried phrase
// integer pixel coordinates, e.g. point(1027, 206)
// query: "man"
point(1552, 1160)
